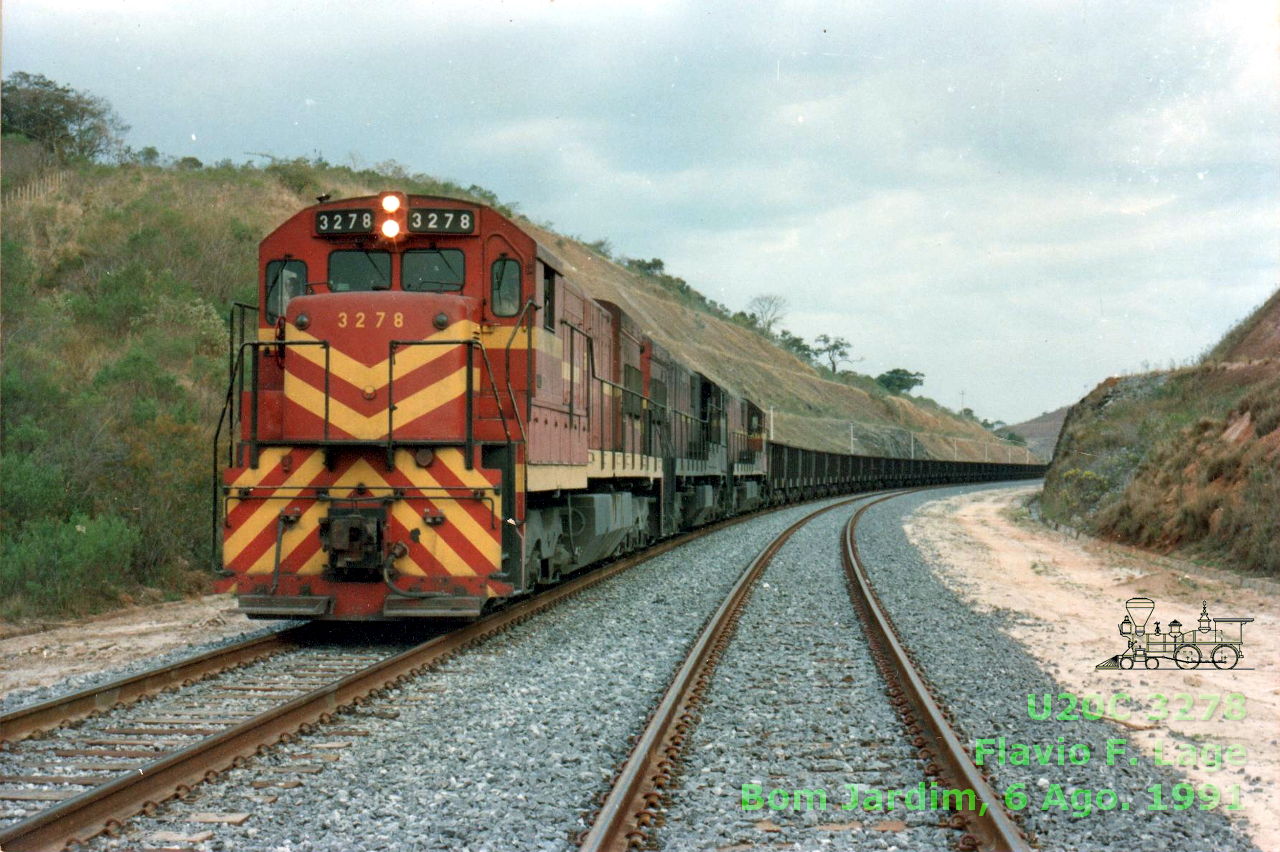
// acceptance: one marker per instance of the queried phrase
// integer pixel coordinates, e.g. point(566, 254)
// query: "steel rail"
point(106, 807)
point(987, 827)
point(25, 721)
point(631, 805)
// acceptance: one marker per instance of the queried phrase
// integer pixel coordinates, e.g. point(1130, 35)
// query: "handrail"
point(493, 386)
point(257, 387)
point(235, 323)
point(236, 360)
point(230, 417)
point(668, 409)
point(515, 405)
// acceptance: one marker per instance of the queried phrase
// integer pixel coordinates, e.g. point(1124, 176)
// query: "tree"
point(768, 308)
point(1013, 437)
point(899, 380)
point(69, 123)
point(834, 349)
point(795, 344)
point(653, 268)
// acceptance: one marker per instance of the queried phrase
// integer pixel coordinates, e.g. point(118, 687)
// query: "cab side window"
point(549, 299)
point(285, 280)
point(505, 287)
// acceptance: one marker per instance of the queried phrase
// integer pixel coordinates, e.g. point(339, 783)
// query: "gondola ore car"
point(428, 418)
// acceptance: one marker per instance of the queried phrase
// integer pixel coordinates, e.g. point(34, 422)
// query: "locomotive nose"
point(377, 365)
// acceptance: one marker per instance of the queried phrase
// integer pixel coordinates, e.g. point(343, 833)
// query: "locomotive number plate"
point(429, 220)
point(344, 222)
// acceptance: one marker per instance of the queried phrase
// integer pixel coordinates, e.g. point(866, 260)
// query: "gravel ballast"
point(26, 697)
point(505, 745)
point(797, 704)
point(985, 677)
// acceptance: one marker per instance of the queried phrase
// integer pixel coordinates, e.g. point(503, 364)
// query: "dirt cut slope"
point(1255, 338)
point(1187, 457)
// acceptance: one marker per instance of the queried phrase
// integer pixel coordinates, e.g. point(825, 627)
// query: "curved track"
point(633, 805)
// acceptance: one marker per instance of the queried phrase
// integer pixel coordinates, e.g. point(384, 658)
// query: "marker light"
point(390, 203)
point(391, 229)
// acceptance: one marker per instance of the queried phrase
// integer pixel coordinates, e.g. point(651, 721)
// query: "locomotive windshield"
point(432, 270)
point(359, 270)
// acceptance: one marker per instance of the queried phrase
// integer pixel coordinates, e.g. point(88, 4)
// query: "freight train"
point(427, 416)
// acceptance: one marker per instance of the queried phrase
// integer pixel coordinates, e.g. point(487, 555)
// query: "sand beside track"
point(114, 639)
point(1068, 597)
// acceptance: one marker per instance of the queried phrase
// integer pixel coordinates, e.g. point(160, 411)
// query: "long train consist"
point(430, 418)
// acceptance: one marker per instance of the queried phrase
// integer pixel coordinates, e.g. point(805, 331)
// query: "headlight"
point(391, 229)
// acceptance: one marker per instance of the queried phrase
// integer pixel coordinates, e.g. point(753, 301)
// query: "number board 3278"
point(344, 222)
point(433, 220)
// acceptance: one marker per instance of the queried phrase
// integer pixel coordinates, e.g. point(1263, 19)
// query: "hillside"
point(1183, 458)
point(810, 410)
point(117, 283)
point(1042, 432)
point(1256, 337)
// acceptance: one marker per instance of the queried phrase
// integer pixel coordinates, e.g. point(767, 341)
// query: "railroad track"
point(631, 810)
point(85, 779)
point(160, 755)
point(37, 718)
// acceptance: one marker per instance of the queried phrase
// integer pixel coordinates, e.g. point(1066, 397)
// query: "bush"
point(30, 488)
point(77, 565)
point(1250, 526)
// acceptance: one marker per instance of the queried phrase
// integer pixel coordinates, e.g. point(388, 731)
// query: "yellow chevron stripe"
point(484, 539)
point(362, 375)
point(499, 337)
point(268, 459)
point(374, 426)
point(314, 565)
point(435, 544)
point(270, 509)
point(294, 535)
point(452, 458)
point(340, 364)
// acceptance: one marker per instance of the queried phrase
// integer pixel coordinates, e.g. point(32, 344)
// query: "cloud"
point(1017, 198)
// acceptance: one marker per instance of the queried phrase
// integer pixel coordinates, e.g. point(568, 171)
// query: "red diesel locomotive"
point(432, 419)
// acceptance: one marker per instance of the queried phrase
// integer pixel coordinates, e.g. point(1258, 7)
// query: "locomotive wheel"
point(1225, 657)
point(1187, 657)
point(1126, 662)
point(1153, 662)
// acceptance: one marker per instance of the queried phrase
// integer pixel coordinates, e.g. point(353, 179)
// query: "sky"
point(1017, 199)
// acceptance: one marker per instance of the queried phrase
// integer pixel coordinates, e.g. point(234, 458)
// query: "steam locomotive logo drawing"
point(1215, 641)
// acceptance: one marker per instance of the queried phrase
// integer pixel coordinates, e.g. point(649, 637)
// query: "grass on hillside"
point(1154, 460)
point(117, 281)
